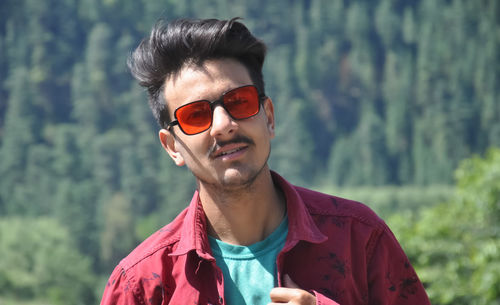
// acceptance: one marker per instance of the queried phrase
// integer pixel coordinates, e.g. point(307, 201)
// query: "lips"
point(229, 149)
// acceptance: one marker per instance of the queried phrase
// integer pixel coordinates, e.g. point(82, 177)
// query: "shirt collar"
point(193, 234)
point(301, 226)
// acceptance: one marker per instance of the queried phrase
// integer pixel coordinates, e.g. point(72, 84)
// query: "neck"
point(243, 216)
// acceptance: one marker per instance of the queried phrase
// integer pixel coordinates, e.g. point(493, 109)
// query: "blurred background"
point(393, 103)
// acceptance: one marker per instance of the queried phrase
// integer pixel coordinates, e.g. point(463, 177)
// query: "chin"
point(238, 178)
point(231, 178)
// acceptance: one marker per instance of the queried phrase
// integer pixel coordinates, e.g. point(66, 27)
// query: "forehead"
point(207, 81)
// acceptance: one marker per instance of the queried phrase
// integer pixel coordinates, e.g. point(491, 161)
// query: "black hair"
point(171, 46)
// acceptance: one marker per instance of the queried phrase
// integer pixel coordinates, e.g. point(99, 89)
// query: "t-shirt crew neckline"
point(237, 252)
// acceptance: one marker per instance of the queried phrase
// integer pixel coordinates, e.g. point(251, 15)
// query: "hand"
point(291, 294)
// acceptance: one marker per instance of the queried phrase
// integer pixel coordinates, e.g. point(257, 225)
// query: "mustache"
point(236, 140)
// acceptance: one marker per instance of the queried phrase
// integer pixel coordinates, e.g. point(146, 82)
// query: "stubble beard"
point(229, 187)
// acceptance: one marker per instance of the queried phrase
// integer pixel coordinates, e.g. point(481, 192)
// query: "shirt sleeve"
point(118, 290)
point(323, 300)
point(391, 278)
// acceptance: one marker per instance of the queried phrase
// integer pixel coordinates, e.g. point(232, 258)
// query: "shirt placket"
point(220, 283)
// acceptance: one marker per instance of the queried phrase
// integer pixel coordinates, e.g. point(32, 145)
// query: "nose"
point(222, 122)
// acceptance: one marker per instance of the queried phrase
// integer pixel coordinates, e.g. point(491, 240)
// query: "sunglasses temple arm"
point(172, 124)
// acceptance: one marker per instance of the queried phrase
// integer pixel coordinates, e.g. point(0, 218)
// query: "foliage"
point(366, 93)
point(455, 245)
point(39, 260)
point(389, 199)
point(118, 233)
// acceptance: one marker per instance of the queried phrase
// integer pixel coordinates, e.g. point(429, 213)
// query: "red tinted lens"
point(194, 117)
point(242, 103)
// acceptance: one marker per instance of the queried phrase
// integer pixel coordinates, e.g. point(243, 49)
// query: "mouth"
point(231, 150)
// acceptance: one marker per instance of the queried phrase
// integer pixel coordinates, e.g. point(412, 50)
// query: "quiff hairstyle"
point(171, 46)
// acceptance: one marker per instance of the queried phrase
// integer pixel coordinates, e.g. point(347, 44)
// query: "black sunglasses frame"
point(217, 102)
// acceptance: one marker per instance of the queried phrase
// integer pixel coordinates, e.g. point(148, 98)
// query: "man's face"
point(231, 153)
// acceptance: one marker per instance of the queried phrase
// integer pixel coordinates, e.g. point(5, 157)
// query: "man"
point(248, 236)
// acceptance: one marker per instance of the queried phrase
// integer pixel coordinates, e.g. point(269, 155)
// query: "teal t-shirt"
point(250, 271)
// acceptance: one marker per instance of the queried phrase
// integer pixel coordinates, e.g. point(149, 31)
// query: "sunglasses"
point(196, 117)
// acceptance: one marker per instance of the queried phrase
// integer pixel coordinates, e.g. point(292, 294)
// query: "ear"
point(269, 110)
point(168, 141)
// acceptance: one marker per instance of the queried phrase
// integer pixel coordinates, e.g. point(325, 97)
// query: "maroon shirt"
point(336, 248)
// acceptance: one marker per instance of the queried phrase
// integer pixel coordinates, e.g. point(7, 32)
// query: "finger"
point(289, 283)
point(282, 294)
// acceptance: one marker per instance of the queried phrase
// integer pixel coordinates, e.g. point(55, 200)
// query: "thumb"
point(288, 282)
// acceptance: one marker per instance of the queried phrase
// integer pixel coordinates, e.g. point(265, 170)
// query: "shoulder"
point(347, 221)
point(159, 244)
point(145, 266)
point(321, 204)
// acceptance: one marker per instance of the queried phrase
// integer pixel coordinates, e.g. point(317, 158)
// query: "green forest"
point(393, 103)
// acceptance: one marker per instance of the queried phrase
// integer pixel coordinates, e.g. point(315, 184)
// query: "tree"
point(292, 158)
point(361, 158)
point(455, 246)
point(18, 135)
point(39, 260)
point(117, 236)
point(396, 90)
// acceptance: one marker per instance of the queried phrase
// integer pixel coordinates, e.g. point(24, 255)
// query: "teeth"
point(230, 152)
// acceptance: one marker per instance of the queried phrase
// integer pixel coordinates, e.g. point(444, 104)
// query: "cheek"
point(194, 148)
point(263, 135)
